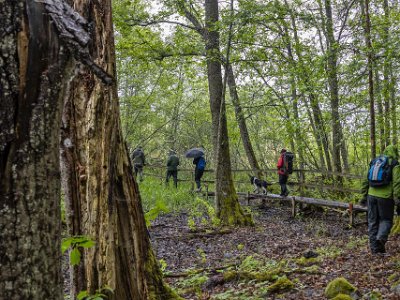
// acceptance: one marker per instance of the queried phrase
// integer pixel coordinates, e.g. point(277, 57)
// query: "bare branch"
point(191, 17)
point(154, 22)
point(346, 15)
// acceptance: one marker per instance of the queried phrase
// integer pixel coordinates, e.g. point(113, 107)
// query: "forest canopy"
point(318, 77)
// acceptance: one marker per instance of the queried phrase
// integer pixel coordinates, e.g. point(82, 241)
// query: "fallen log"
point(351, 208)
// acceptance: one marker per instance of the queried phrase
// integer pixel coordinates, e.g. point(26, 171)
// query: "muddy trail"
point(279, 258)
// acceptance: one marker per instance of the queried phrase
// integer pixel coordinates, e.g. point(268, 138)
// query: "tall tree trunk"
point(304, 77)
point(370, 61)
point(332, 47)
point(387, 70)
point(380, 117)
point(394, 105)
point(32, 70)
point(172, 132)
point(317, 139)
point(103, 195)
point(228, 207)
point(244, 133)
point(299, 138)
point(338, 142)
point(320, 126)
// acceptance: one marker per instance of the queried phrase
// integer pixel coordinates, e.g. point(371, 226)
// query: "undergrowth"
point(158, 198)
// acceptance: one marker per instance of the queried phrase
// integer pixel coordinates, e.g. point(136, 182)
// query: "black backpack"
point(288, 158)
point(380, 171)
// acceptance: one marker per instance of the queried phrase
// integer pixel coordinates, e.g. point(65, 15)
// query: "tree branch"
point(345, 19)
point(191, 17)
point(154, 22)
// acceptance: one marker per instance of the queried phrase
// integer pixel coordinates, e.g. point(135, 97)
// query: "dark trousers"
point(282, 181)
point(197, 176)
point(174, 175)
point(138, 170)
point(380, 222)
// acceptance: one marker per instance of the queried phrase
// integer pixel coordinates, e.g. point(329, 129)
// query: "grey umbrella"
point(194, 152)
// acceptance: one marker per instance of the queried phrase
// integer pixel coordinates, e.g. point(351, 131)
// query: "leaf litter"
point(309, 250)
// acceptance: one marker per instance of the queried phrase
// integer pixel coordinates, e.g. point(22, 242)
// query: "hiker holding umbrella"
point(199, 161)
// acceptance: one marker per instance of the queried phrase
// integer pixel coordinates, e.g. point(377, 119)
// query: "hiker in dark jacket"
point(172, 168)
point(200, 163)
point(283, 176)
point(381, 202)
point(138, 160)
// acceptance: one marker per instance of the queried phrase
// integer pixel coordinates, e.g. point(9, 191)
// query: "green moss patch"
point(282, 284)
point(302, 261)
point(339, 286)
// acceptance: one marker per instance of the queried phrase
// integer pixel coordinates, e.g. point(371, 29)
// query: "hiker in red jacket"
point(283, 174)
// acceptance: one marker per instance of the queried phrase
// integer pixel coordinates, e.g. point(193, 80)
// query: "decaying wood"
point(74, 32)
point(104, 201)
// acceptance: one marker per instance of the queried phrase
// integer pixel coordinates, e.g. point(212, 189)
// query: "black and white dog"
point(259, 185)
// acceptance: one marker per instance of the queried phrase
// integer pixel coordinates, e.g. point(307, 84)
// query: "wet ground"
point(276, 237)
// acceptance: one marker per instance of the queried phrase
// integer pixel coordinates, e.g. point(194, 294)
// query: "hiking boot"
point(381, 246)
point(380, 254)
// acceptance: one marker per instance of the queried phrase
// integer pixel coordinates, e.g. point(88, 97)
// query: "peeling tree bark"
point(103, 197)
point(33, 67)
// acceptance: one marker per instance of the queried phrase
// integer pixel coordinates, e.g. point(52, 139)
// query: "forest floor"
point(268, 261)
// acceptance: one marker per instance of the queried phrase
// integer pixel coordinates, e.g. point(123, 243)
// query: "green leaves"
point(75, 242)
point(99, 295)
point(75, 257)
point(82, 295)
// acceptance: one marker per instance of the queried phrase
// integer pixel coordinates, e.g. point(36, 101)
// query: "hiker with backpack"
point(285, 167)
point(381, 192)
point(172, 168)
point(200, 163)
point(138, 160)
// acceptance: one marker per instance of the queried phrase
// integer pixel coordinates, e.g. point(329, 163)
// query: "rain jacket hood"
point(172, 162)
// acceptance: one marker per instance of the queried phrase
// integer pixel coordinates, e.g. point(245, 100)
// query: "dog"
point(259, 185)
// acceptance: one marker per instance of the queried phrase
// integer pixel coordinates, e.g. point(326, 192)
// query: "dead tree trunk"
point(104, 200)
point(32, 70)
